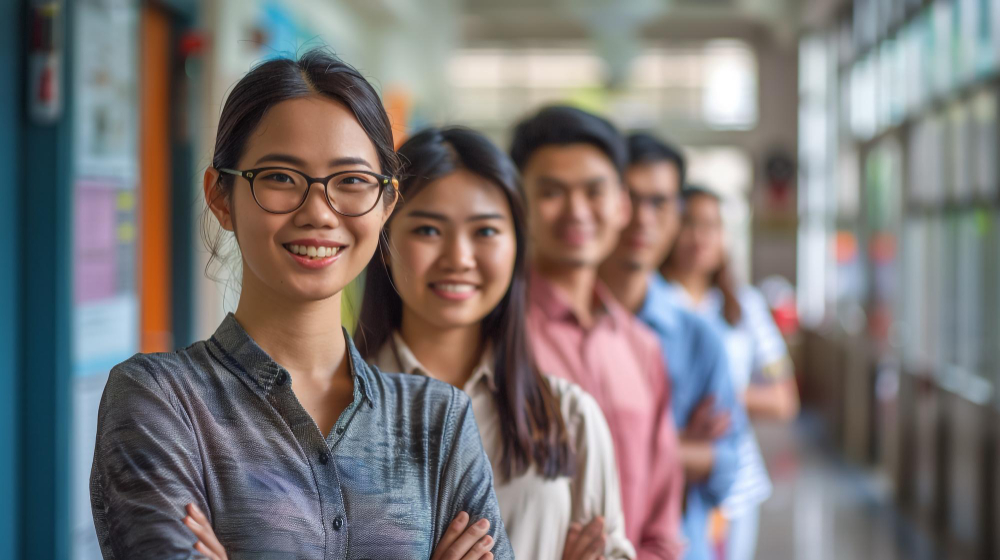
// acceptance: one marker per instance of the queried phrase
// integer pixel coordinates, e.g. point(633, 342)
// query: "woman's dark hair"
point(531, 423)
point(317, 72)
point(723, 277)
point(645, 148)
point(560, 126)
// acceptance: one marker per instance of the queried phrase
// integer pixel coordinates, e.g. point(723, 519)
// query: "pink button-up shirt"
point(619, 362)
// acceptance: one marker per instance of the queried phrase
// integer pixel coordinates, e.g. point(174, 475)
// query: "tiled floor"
point(823, 509)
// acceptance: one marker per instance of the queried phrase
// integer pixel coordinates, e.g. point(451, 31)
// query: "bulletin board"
point(105, 163)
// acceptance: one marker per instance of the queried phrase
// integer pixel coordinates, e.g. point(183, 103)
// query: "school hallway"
point(824, 508)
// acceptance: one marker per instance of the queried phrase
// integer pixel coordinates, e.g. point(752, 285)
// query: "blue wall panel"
point(10, 58)
point(45, 327)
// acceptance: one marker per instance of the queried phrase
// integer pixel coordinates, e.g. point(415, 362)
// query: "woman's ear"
point(391, 205)
point(216, 200)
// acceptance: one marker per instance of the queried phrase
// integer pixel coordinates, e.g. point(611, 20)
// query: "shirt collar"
point(711, 303)
point(242, 355)
point(544, 295)
point(410, 364)
point(661, 306)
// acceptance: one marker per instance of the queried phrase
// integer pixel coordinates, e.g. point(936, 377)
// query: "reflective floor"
point(825, 509)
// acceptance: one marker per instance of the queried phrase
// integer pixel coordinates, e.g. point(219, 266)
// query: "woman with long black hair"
point(700, 273)
point(274, 433)
point(445, 297)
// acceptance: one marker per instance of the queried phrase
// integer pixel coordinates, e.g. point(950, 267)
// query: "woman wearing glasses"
point(274, 430)
point(761, 369)
point(445, 298)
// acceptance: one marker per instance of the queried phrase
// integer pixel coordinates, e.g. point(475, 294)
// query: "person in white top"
point(698, 270)
point(445, 297)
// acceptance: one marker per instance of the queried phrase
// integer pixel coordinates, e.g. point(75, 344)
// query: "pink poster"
point(95, 246)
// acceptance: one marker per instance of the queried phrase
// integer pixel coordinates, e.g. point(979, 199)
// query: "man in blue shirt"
point(710, 419)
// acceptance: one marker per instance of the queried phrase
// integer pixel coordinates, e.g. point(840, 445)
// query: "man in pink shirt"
point(571, 164)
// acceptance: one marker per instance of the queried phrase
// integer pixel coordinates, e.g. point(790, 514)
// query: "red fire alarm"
point(45, 63)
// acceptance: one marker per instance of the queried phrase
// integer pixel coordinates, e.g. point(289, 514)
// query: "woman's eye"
point(428, 231)
point(355, 180)
point(488, 232)
point(279, 177)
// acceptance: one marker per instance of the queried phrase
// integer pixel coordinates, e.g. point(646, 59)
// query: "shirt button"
point(324, 457)
point(338, 522)
point(340, 430)
point(282, 378)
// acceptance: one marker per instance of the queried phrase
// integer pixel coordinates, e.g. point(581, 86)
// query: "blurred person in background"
point(274, 434)
point(445, 297)
point(701, 276)
point(571, 163)
point(708, 414)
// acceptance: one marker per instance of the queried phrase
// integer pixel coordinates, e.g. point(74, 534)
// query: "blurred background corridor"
point(855, 142)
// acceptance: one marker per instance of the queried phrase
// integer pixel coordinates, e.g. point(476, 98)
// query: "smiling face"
point(576, 205)
point(317, 136)
point(453, 249)
point(654, 189)
point(701, 242)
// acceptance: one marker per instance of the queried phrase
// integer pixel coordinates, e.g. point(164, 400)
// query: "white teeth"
point(455, 288)
point(313, 252)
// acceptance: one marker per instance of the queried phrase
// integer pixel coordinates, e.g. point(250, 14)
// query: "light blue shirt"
point(698, 368)
point(756, 353)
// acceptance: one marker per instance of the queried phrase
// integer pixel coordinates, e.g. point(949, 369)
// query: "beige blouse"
point(537, 511)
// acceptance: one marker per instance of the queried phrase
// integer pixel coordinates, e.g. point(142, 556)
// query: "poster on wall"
point(105, 314)
point(105, 171)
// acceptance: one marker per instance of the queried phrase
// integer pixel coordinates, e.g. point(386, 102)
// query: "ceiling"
point(619, 29)
point(543, 20)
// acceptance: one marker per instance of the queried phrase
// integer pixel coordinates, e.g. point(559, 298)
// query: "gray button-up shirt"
point(217, 424)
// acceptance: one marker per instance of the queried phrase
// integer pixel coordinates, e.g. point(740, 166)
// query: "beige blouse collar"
point(409, 363)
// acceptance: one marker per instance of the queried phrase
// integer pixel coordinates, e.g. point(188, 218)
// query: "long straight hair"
point(531, 424)
point(722, 277)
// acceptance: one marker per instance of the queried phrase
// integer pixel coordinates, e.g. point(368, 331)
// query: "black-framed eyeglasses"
point(283, 190)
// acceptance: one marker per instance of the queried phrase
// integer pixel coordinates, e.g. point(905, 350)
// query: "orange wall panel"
point(154, 212)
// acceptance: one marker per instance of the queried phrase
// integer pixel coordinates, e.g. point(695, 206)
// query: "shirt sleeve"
point(771, 362)
point(467, 478)
point(596, 489)
point(146, 470)
point(660, 537)
point(725, 465)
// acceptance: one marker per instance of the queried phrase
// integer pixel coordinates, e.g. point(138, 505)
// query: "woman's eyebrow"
point(349, 161)
point(442, 218)
point(297, 161)
point(281, 158)
point(428, 215)
point(479, 217)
